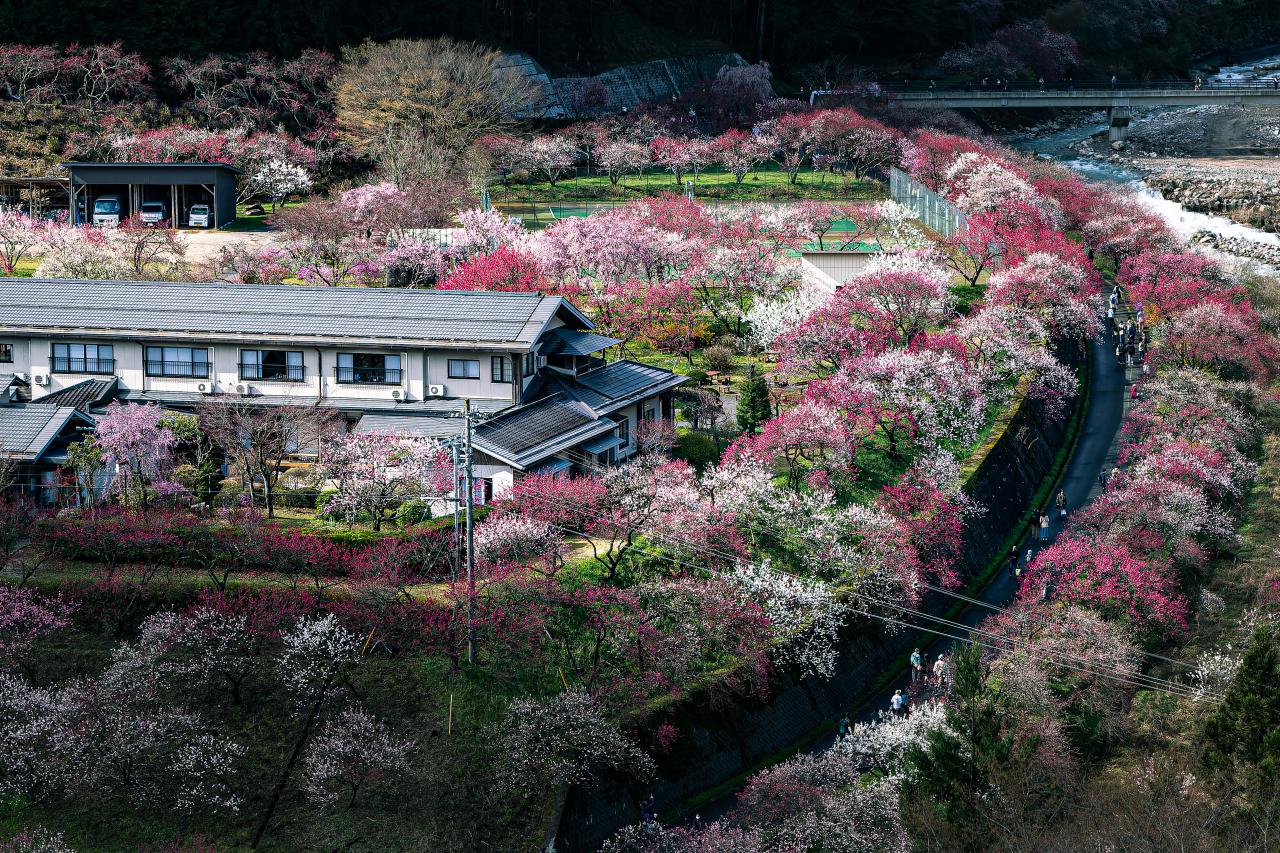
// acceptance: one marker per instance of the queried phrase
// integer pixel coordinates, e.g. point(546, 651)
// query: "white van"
point(200, 216)
point(106, 211)
point(153, 212)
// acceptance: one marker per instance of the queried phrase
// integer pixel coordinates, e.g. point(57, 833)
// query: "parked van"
point(153, 212)
point(106, 211)
point(200, 216)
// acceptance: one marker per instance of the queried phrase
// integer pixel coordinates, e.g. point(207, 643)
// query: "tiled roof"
point(91, 393)
point(565, 341)
point(529, 434)
point(443, 318)
point(612, 386)
point(430, 407)
point(27, 430)
point(431, 427)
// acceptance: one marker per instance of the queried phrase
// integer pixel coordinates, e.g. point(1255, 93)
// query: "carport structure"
point(34, 195)
point(177, 185)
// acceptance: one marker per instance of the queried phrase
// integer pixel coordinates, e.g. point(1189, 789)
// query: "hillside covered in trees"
point(807, 40)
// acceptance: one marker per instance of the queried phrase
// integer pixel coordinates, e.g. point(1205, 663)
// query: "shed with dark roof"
point(178, 186)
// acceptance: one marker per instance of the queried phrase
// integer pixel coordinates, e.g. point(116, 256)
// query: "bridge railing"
point(935, 212)
point(1058, 87)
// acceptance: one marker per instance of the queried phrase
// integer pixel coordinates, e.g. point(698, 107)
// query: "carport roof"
point(126, 164)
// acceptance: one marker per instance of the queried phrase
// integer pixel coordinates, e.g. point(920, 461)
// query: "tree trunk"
point(283, 781)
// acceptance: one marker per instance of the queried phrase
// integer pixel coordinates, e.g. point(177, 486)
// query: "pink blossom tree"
point(1111, 580)
point(135, 441)
point(26, 616)
point(375, 472)
point(20, 237)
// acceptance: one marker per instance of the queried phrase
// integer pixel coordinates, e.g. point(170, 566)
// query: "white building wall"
point(419, 370)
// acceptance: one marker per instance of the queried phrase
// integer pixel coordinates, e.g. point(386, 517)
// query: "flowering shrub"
point(564, 739)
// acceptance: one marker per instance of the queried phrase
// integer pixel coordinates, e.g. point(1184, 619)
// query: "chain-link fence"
point(935, 212)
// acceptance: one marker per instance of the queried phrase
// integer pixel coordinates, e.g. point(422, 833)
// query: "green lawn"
point(769, 182)
point(258, 222)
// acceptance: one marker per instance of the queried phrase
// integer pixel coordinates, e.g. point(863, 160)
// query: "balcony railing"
point(62, 364)
point(179, 369)
point(272, 372)
point(367, 375)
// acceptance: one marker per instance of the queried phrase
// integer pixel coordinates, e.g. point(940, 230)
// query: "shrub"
point(413, 511)
point(697, 448)
point(718, 357)
point(230, 494)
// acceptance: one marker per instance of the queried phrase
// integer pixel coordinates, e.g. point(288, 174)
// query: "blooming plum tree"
point(375, 472)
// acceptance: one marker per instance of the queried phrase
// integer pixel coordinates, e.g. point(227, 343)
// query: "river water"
point(1060, 146)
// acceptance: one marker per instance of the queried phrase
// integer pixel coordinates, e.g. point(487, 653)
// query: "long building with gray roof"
point(384, 359)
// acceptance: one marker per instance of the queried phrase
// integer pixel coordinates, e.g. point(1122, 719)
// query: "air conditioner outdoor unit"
point(396, 395)
point(40, 379)
point(205, 388)
point(242, 390)
point(435, 390)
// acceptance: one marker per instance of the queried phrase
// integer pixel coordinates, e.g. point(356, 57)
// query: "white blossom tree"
point(351, 753)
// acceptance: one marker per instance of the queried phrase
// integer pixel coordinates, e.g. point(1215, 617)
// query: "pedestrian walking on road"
point(1061, 501)
point(1113, 81)
point(1026, 560)
point(1102, 478)
point(1120, 354)
point(940, 669)
point(1044, 527)
point(1013, 564)
point(917, 666)
point(843, 728)
point(895, 704)
point(1115, 298)
point(1041, 84)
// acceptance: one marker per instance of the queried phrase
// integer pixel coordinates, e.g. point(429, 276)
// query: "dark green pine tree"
point(950, 774)
point(754, 407)
point(1242, 738)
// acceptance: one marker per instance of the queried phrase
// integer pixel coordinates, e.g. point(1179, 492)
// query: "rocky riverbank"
point(1238, 246)
point(1251, 197)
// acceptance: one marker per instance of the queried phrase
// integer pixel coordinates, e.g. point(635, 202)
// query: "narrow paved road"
point(1095, 452)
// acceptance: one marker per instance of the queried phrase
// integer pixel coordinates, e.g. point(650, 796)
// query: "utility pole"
point(469, 480)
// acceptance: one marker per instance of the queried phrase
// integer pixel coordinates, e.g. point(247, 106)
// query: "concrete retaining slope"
point(724, 736)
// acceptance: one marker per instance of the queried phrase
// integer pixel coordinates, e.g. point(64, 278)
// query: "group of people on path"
point(1131, 338)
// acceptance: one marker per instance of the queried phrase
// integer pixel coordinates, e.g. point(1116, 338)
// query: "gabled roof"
point(89, 394)
point(613, 385)
point(566, 341)
point(299, 315)
point(27, 430)
point(528, 434)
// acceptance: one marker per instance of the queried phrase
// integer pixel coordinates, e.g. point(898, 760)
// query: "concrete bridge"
point(1118, 98)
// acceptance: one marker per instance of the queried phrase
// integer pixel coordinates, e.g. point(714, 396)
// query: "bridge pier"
point(1118, 123)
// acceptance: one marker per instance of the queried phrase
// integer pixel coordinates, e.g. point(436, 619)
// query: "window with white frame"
point(500, 368)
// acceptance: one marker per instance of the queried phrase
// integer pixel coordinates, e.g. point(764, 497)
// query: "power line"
point(730, 557)
point(1147, 681)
